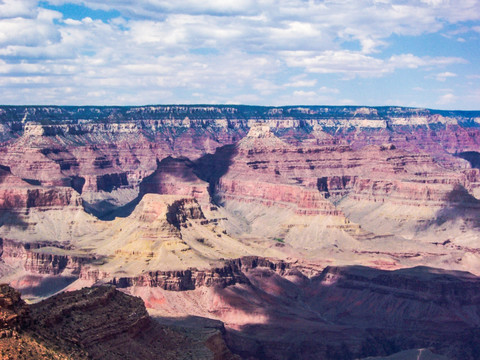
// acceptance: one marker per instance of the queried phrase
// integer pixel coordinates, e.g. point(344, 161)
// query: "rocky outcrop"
point(173, 193)
point(373, 173)
point(194, 115)
point(185, 280)
point(109, 182)
point(53, 264)
point(230, 274)
point(43, 258)
point(321, 168)
point(284, 145)
point(296, 315)
point(419, 284)
point(190, 130)
point(14, 314)
point(304, 201)
point(92, 303)
point(12, 199)
point(97, 323)
point(175, 177)
point(17, 194)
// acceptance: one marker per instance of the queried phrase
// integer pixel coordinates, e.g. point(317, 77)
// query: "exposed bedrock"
point(320, 187)
point(212, 167)
point(279, 310)
point(109, 182)
point(14, 314)
point(17, 194)
point(43, 258)
point(335, 181)
point(184, 280)
point(20, 199)
point(175, 176)
point(195, 130)
point(230, 274)
point(123, 151)
point(372, 173)
point(181, 210)
point(341, 311)
point(304, 201)
point(99, 323)
point(473, 183)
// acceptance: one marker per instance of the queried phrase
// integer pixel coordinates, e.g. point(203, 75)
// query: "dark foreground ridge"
point(97, 323)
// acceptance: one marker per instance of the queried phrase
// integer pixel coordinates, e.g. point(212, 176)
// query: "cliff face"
point(18, 194)
point(232, 273)
point(175, 177)
point(329, 187)
point(430, 130)
point(96, 323)
point(43, 258)
point(14, 314)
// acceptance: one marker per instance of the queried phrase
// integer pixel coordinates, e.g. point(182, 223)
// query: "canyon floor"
point(240, 232)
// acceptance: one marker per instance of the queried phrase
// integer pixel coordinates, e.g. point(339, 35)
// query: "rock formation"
point(278, 312)
point(278, 221)
point(97, 323)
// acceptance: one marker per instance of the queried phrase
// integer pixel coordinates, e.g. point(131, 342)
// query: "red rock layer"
point(37, 261)
point(304, 201)
point(281, 174)
point(175, 177)
point(17, 194)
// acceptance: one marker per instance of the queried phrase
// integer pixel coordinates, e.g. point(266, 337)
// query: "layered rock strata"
point(97, 323)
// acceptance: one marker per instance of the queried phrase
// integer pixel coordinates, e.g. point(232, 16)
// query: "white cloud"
point(325, 89)
point(226, 50)
point(300, 81)
point(18, 8)
point(310, 24)
point(412, 62)
point(344, 62)
point(444, 76)
point(39, 31)
point(353, 63)
point(447, 99)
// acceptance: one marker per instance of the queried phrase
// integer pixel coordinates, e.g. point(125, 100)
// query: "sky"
point(420, 53)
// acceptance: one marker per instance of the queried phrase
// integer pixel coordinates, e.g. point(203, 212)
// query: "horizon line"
point(238, 105)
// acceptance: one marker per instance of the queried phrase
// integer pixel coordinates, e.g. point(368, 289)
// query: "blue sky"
point(422, 53)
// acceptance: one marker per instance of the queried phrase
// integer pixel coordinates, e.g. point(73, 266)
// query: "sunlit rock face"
point(270, 220)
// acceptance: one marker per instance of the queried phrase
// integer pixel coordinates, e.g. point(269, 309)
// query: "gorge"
point(309, 232)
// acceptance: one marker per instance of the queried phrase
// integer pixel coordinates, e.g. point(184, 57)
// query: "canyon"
point(300, 232)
